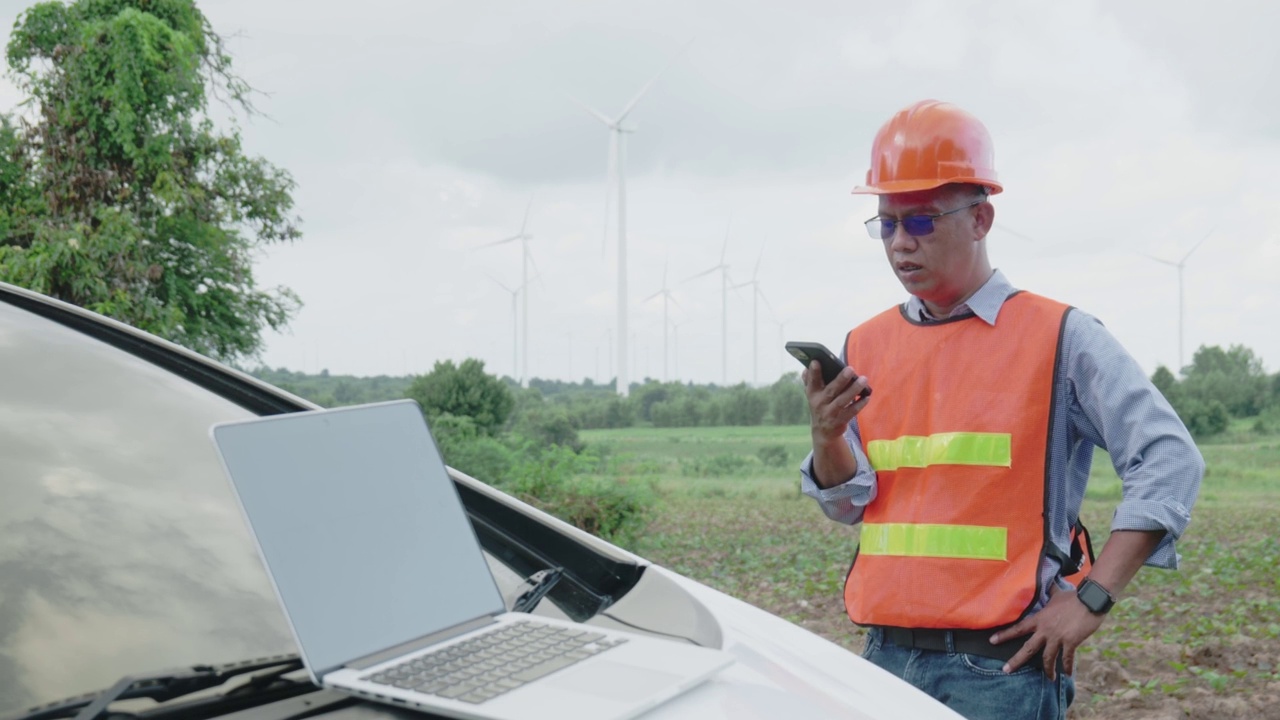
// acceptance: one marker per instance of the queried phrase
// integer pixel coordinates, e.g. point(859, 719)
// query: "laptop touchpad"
point(615, 681)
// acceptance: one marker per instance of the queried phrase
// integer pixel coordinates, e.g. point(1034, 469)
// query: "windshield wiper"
point(170, 684)
point(541, 583)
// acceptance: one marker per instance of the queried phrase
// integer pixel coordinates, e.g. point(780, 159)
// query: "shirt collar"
point(985, 303)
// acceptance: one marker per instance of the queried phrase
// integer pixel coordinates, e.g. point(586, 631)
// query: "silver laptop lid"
point(360, 527)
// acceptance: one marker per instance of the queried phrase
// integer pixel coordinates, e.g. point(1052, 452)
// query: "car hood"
point(783, 670)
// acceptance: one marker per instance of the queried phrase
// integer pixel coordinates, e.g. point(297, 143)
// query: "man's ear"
point(983, 219)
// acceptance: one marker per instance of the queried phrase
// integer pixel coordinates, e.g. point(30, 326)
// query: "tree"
point(787, 400)
point(743, 406)
point(1164, 380)
point(118, 195)
point(464, 390)
point(1233, 377)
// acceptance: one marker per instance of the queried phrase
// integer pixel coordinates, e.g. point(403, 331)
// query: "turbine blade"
point(704, 273)
point(772, 314)
point(653, 296)
point(758, 261)
point(513, 238)
point(525, 224)
point(596, 113)
point(500, 283)
point(631, 105)
point(1195, 247)
point(537, 274)
point(1159, 260)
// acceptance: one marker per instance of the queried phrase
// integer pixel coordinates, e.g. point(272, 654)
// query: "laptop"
point(388, 593)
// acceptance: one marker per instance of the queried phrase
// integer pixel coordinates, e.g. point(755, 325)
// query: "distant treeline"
point(589, 405)
point(1218, 385)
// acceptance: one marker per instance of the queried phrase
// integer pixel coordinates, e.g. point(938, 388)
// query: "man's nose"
point(902, 240)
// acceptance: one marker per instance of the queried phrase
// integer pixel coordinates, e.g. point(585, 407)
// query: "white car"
point(129, 583)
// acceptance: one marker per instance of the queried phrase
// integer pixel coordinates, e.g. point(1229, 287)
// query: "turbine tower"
point(1182, 308)
point(617, 174)
point(665, 292)
point(723, 267)
point(756, 295)
point(526, 260)
point(515, 326)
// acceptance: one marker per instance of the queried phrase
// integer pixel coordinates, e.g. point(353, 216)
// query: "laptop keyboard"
point(495, 662)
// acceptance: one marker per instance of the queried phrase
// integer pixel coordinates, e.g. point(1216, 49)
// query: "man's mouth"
point(906, 267)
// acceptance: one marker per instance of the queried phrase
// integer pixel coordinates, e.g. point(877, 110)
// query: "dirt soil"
point(1105, 687)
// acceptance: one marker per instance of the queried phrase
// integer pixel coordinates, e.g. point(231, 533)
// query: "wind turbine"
point(667, 297)
point(1182, 308)
point(724, 304)
point(782, 339)
point(515, 368)
point(675, 343)
point(756, 294)
point(524, 237)
point(617, 173)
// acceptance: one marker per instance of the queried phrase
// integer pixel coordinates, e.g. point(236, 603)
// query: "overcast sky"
point(419, 131)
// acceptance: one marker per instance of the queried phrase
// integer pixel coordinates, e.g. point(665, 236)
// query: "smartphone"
point(807, 352)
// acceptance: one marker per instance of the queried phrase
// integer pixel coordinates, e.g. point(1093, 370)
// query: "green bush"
point(774, 456)
point(1268, 423)
point(1203, 419)
point(742, 406)
point(614, 509)
point(718, 466)
point(549, 425)
point(465, 448)
point(464, 390)
point(787, 401)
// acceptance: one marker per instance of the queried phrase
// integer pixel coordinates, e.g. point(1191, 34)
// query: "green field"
point(1203, 641)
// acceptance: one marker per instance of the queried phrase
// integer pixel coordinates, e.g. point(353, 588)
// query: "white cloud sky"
point(419, 131)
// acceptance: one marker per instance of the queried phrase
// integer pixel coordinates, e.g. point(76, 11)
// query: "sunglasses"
point(882, 228)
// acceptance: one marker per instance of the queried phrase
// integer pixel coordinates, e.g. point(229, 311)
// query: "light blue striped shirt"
point(1102, 399)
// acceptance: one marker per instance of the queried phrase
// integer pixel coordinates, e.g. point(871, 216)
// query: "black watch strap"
point(1098, 599)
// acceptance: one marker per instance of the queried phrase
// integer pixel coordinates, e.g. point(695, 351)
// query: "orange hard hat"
point(927, 145)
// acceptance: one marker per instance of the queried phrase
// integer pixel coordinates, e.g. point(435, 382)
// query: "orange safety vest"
point(958, 433)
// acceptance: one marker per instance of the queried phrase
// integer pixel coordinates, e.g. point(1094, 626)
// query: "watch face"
point(1094, 597)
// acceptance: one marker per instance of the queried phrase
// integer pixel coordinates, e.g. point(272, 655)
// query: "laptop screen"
point(361, 528)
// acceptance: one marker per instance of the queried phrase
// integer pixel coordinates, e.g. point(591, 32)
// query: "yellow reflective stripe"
point(973, 542)
point(954, 448)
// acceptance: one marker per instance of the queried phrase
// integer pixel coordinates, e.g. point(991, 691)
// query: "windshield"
point(121, 547)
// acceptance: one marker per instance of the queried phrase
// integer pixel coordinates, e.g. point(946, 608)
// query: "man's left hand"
point(1059, 628)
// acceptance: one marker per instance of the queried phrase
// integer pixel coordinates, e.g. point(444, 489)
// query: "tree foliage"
point(1218, 385)
point(464, 390)
point(1233, 377)
point(116, 192)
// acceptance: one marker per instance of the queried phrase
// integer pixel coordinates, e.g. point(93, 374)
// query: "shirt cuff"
point(843, 502)
point(1147, 515)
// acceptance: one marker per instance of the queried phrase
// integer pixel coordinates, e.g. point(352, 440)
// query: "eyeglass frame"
point(894, 223)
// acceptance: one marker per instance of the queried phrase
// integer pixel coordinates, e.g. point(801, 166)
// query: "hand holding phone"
point(807, 352)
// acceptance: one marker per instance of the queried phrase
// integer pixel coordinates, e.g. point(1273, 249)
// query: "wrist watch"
point(1095, 597)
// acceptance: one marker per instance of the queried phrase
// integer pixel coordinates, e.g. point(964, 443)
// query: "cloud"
point(418, 132)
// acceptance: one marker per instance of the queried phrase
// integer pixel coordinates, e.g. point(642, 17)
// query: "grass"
point(1212, 627)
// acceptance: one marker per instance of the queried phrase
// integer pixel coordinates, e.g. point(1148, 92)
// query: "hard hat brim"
point(894, 187)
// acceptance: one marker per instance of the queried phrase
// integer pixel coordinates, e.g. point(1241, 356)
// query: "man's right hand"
point(831, 408)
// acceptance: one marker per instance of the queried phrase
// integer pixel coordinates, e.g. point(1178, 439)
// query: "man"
point(968, 466)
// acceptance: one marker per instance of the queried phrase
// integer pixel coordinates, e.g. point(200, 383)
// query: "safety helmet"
point(927, 145)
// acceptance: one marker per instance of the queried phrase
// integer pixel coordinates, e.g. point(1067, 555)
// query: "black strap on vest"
point(1081, 547)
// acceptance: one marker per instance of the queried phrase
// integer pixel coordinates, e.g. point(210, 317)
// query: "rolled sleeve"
point(843, 503)
point(1155, 515)
point(1118, 409)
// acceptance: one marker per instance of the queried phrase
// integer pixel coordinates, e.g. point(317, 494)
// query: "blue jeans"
point(975, 686)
